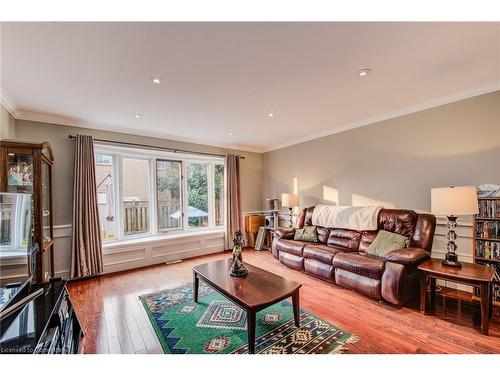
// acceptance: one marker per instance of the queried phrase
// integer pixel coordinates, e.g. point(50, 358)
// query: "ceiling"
point(220, 78)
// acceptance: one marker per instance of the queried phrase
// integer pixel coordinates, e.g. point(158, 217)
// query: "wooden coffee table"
point(254, 292)
point(476, 275)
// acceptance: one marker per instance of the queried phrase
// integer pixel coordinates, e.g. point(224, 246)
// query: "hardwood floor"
point(115, 321)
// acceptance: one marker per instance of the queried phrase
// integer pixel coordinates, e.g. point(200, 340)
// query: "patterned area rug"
point(216, 325)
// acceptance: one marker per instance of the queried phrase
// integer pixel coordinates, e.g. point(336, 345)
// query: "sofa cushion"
point(360, 264)
point(306, 234)
point(288, 233)
point(386, 242)
point(319, 269)
point(397, 221)
point(367, 238)
point(299, 222)
point(290, 246)
point(323, 234)
point(365, 285)
point(308, 215)
point(344, 238)
point(321, 253)
point(292, 261)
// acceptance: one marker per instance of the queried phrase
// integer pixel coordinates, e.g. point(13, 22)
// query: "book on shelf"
point(495, 290)
point(487, 235)
point(487, 229)
point(488, 249)
point(489, 208)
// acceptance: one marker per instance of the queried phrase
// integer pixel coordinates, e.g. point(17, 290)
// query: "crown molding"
point(466, 94)
point(68, 121)
point(8, 104)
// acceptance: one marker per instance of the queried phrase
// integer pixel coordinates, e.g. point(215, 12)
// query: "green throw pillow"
point(386, 242)
point(306, 234)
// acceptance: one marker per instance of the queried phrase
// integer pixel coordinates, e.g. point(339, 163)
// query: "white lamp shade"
point(454, 201)
point(289, 200)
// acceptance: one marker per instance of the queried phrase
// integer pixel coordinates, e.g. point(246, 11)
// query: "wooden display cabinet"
point(26, 167)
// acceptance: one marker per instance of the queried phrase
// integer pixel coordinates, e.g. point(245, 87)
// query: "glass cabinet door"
point(19, 173)
point(27, 169)
point(46, 203)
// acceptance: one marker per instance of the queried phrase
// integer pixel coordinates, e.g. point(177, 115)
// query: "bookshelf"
point(486, 241)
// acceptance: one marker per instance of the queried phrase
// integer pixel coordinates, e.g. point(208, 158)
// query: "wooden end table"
point(476, 275)
point(254, 292)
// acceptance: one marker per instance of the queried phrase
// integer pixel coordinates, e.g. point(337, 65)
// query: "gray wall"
point(57, 135)
point(395, 162)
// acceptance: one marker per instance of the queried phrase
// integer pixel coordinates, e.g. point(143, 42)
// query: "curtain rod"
point(175, 150)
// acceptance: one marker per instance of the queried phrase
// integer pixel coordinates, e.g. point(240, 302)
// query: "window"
point(104, 174)
point(144, 193)
point(135, 192)
point(197, 194)
point(168, 192)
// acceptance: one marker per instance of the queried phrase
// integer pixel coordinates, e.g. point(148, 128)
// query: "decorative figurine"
point(237, 267)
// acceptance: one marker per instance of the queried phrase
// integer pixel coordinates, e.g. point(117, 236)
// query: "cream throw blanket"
point(347, 217)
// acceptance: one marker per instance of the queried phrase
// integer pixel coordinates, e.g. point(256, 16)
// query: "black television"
point(16, 251)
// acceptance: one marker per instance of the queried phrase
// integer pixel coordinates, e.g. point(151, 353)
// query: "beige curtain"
point(86, 246)
point(233, 211)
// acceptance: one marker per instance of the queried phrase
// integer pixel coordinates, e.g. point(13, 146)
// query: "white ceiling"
point(226, 77)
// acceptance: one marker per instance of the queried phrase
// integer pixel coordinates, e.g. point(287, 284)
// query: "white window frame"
point(118, 153)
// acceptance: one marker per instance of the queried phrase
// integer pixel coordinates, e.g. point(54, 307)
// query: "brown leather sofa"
point(340, 256)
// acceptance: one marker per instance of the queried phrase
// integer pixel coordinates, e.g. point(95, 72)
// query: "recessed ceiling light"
point(270, 114)
point(137, 115)
point(364, 72)
point(230, 134)
point(156, 80)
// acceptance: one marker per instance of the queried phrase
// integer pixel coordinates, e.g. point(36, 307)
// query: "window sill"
point(159, 238)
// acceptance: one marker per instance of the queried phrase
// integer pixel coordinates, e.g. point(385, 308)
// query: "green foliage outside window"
point(197, 186)
point(169, 179)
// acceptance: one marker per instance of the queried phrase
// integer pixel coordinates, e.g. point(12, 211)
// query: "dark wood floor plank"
point(115, 321)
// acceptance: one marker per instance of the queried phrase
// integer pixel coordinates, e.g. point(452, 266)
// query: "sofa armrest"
point(287, 233)
point(408, 256)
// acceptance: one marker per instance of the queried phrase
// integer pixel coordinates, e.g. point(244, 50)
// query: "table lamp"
point(290, 201)
point(452, 202)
